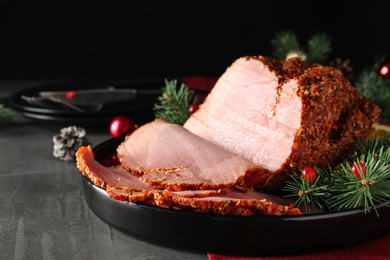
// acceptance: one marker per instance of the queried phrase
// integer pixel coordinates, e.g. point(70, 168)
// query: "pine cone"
point(68, 141)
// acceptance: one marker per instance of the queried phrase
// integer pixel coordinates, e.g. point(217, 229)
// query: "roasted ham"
point(284, 115)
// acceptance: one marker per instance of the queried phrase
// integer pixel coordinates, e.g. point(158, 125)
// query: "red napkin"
point(374, 250)
point(200, 83)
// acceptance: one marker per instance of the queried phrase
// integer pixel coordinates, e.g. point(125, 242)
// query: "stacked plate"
point(88, 103)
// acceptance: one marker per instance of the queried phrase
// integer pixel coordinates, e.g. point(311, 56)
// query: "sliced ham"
point(124, 186)
point(248, 203)
point(171, 157)
point(284, 115)
point(118, 182)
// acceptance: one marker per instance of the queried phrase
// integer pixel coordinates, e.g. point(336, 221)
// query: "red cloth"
point(375, 250)
point(200, 83)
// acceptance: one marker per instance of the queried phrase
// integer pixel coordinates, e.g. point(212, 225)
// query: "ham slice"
point(124, 186)
point(249, 203)
point(169, 156)
point(284, 115)
point(118, 182)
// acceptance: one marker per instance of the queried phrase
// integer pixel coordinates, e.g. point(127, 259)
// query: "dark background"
point(132, 39)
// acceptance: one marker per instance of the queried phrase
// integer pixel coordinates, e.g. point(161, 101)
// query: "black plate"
point(139, 109)
point(235, 235)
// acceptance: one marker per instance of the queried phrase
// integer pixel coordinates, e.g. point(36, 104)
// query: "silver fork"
point(38, 101)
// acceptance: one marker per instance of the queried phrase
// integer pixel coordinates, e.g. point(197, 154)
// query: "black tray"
point(235, 235)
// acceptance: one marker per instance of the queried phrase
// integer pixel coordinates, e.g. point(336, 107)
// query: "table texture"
point(43, 213)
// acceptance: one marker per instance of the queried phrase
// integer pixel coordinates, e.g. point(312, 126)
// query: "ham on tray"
point(263, 120)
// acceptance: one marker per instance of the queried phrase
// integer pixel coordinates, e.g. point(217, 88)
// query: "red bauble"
point(384, 70)
point(192, 108)
point(121, 125)
point(357, 168)
point(309, 174)
point(105, 161)
point(110, 160)
point(114, 158)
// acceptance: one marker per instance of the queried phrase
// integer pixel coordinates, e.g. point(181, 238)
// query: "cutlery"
point(98, 95)
point(40, 101)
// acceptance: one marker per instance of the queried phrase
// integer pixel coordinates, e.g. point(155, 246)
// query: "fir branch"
point(338, 188)
point(352, 192)
point(379, 60)
point(174, 103)
point(7, 113)
point(312, 195)
point(284, 42)
point(374, 87)
point(369, 84)
point(373, 144)
point(318, 48)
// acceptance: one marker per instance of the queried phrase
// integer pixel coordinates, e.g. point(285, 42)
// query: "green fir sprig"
point(173, 104)
point(362, 181)
point(375, 87)
point(312, 195)
point(283, 43)
point(5, 111)
point(319, 48)
point(316, 50)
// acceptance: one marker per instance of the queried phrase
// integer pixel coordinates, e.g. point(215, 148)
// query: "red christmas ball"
point(309, 174)
point(358, 168)
point(192, 108)
point(114, 158)
point(384, 70)
point(121, 125)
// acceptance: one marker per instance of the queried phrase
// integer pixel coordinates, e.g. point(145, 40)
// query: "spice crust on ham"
point(284, 115)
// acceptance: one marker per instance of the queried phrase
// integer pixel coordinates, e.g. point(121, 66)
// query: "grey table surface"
point(43, 212)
